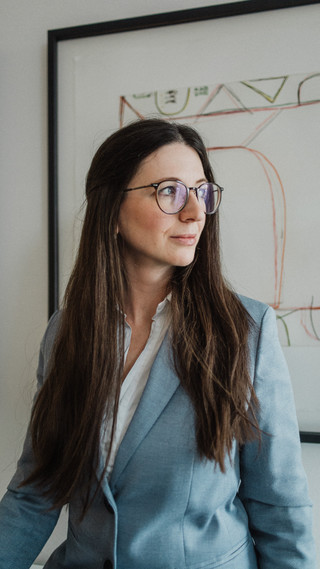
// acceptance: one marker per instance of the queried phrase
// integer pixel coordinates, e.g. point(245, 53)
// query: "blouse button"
point(107, 564)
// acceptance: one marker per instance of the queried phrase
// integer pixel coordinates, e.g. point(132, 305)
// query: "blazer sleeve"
point(273, 485)
point(25, 522)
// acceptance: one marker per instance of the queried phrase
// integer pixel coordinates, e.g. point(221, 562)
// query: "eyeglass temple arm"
point(141, 187)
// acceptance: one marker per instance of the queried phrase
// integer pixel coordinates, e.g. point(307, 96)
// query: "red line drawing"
point(243, 102)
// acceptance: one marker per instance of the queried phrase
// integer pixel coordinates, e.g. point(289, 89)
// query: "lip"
point(185, 239)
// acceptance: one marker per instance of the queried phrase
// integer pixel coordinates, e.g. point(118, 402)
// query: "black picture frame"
point(113, 27)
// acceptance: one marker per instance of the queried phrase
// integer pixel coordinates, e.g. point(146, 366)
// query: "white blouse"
point(135, 382)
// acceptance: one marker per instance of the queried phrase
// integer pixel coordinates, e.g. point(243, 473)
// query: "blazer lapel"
point(160, 387)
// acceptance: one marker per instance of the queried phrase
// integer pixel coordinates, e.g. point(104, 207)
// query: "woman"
point(166, 418)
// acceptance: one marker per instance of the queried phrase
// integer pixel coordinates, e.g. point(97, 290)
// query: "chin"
point(185, 261)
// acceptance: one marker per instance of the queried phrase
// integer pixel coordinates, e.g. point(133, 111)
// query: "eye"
point(202, 192)
point(169, 191)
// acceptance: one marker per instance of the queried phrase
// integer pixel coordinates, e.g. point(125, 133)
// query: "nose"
point(193, 210)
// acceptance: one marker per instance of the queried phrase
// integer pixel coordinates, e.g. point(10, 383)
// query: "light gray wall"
point(23, 209)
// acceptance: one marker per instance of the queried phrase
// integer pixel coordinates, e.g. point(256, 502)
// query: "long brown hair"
point(209, 331)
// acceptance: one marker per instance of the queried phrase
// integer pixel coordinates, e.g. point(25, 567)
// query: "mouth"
point(185, 239)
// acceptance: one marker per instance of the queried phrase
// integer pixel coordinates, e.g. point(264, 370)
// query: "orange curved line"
point(284, 220)
point(274, 229)
point(261, 157)
point(304, 326)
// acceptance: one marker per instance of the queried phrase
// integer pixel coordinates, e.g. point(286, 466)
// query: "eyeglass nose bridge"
point(191, 189)
point(195, 190)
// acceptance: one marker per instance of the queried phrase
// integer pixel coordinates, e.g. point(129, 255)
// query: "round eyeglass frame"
point(156, 185)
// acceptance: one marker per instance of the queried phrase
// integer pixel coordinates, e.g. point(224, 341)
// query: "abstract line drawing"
point(265, 87)
point(262, 136)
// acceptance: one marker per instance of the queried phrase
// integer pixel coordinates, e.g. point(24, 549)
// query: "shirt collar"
point(162, 307)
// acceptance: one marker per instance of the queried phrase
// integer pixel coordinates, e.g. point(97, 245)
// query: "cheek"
point(142, 224)
point(152, 229)
point(202, 228)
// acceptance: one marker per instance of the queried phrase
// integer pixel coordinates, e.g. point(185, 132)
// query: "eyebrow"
point(174, 179)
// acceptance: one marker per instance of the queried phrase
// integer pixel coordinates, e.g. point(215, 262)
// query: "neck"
point(146, 289)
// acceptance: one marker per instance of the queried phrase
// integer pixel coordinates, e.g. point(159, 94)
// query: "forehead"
point(176, 160)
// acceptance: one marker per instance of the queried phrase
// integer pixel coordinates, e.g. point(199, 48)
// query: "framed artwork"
point(242, 74)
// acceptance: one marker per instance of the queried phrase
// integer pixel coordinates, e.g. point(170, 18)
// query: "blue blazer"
point(164, 507)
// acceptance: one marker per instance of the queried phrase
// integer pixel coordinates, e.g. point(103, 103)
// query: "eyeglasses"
point(172, 196)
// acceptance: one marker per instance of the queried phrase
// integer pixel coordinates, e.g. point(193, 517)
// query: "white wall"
point(23, 226)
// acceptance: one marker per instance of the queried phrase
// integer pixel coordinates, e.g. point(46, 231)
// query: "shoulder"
point(262, 317)
point(263, 340)
point(257, 310)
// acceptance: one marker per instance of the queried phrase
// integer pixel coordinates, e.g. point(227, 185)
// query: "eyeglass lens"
point(172, 196)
